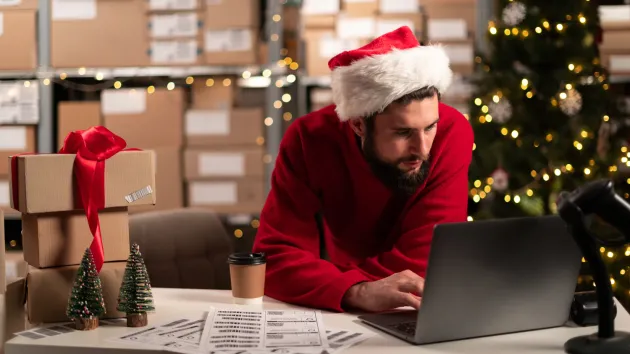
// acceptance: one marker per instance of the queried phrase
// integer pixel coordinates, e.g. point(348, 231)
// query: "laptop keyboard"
point(405, 327)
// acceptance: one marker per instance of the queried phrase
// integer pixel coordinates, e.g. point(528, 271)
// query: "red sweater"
point(320, 169)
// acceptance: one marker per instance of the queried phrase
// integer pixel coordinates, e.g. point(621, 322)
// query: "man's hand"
point(386, 294)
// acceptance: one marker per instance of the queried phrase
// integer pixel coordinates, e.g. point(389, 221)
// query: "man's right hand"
point(397, 290)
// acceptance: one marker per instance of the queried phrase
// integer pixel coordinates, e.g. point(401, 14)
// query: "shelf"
point(165, 71)
point(18, 74)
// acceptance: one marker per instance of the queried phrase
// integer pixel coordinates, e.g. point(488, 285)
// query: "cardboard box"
point(360, 8)
point(47, 183)
point(145, 120)
point(19, 5)
point(462, 56)
point(223, 162)
point(232, 14)
point(231, 46)
point(616, 40)
point(12, 293)
point(390, 22)
point(214, 93)
point(16, 266)
point(113, 33)
point(223, 127)
point(18, 39)
point(15, 139)
point(319, 21)
point(73, 116)
point(614, 17)
point(446, 20)
point(349, 27)
point(321, 46)
point(174, 25)
point(616, 63)
point(228, 196)
point(60, 239)
point(175, 52)
point(174, 5)
point(168, 179)
point(48, 290)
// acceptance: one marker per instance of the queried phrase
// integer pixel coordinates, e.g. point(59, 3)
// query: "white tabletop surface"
point(175, 303)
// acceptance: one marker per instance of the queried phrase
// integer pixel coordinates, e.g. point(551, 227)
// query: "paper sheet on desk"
point(232, 328)
point(183, 334)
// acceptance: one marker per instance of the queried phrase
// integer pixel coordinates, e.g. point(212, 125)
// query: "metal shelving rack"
point(273, 35)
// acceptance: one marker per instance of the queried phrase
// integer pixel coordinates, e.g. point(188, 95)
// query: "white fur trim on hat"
point(370, 84)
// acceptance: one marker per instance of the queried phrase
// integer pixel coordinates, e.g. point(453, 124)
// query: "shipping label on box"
point(15, 139)
point(223, 162)
point(47, 183)
point(320, 7)
point(19, 4)
point(19, 102)
point(63, 10)
point(229, 40)
point(174, 25)
point(175, 52)
point(356, 27)
point(447, 29)
point(614, 16)
point(398, 6)
point(174, 5)
point(229, 196)
point(389, 24)
point(207, 122)
point(5, 194)
point(60, 239)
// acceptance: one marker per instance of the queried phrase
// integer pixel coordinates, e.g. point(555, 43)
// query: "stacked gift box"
point(615, 48)
point(53, 193)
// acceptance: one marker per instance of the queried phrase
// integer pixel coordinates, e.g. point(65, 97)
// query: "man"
point(381, 166)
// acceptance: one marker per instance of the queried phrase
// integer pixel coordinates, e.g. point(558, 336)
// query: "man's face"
point(398, 144)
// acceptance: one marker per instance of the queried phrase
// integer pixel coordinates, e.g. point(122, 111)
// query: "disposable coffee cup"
point(247, 276)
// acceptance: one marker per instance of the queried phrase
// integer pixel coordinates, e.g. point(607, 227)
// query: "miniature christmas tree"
point(135, 298)
point(86, 303)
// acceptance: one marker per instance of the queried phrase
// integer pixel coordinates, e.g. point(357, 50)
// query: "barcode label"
point(139, 194)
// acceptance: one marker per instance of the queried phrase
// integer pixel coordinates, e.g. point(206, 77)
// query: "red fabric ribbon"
point(92, 147)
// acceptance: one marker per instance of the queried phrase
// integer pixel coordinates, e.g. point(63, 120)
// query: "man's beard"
point(391, 175)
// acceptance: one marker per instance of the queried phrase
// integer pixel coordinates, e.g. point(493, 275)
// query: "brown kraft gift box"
point(46, 183)
point(60, 239)
point(48, 291)
point(12, 291)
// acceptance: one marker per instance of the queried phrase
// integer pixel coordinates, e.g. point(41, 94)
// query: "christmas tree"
point(543, 113)
point(86, 303)
point(135, 298)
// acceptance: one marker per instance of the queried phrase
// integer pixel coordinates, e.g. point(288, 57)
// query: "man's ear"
point(358, 126)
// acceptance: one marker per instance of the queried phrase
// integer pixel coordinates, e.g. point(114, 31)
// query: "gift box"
point(60, 239)
point(49, 289)
point(93, 170)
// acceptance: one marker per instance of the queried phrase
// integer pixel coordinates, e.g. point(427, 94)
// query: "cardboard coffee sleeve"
point(48, 291)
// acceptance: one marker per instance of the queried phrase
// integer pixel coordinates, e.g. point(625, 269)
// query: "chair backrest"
point(183, 248)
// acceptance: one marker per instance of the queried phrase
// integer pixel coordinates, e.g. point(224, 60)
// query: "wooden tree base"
point(137, 319)
point(86, 324)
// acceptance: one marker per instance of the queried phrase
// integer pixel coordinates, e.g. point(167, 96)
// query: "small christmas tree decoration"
point(86, 303)
point(135, 298)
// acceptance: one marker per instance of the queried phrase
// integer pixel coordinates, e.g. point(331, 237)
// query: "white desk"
point(173, 303)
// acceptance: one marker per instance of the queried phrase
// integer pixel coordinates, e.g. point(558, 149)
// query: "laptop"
point(488, 278)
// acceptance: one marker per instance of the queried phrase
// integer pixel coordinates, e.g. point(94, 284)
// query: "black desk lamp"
point(597, 198)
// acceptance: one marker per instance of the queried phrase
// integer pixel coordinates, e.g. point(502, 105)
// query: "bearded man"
point(372, 175)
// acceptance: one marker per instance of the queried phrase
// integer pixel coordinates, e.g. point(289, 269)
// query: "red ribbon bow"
point(92, 147)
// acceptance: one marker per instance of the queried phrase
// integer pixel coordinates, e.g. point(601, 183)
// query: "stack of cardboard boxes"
point(55, 230)
point(615, 47)
point(154, 33)
point(223, 161)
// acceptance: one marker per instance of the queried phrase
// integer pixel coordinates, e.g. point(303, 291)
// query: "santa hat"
point(368, 79)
